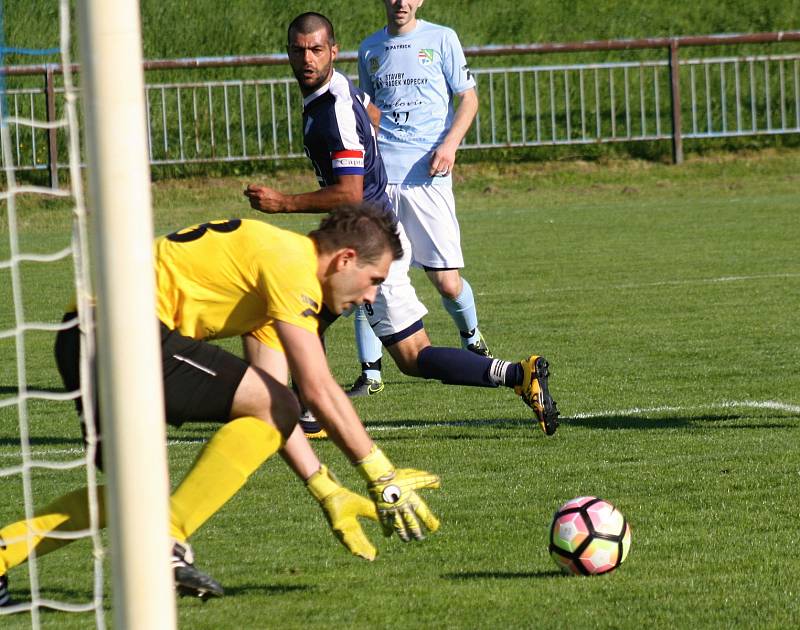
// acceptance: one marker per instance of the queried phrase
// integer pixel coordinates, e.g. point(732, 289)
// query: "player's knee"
point(408, 365)
point(449, 286)
point(405, 346)
point(405, 357)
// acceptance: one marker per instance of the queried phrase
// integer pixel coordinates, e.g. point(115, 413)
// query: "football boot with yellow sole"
point(310, 426)
point(534, 392)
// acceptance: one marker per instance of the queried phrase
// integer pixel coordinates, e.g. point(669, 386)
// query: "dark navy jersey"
point(339, 138)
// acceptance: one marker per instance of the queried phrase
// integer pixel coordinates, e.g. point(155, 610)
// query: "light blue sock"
point(464, 314)
point(369, 346)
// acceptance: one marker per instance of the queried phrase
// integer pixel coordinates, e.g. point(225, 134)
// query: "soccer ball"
point(589, 536)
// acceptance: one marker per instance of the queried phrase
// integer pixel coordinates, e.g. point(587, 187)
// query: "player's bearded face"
point(311, 57)
point(355, 283)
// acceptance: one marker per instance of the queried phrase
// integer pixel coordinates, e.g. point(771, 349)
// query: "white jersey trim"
point(346, 119)
point(339, 87)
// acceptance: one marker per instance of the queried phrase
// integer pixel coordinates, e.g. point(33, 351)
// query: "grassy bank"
point(205, 27)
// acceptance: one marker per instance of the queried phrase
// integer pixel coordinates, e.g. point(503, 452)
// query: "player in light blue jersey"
point(413, 69)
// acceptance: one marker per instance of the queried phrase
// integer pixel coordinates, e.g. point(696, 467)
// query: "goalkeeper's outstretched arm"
point(341, 507)
point(393, 491)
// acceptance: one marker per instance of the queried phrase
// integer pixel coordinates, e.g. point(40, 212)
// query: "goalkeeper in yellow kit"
point(247, 278)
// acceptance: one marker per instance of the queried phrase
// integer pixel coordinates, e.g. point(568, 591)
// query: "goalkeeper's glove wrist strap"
point(322, 483)
point(375, 466)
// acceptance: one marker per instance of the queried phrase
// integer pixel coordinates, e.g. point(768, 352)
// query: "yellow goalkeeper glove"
point(400, 508)
point(342, 509)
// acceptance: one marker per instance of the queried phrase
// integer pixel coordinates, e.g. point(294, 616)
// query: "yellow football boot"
point(535, 394)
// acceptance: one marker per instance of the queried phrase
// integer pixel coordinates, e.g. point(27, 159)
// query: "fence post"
point(52, 143)
point(675, 92)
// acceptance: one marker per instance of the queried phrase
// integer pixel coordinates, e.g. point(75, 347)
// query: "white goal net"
point(22, 324)
point(31, 318)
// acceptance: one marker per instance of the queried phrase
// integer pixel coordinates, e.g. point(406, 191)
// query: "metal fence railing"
point(667, 99)
point(743, 96)
point(571, 104)
point(631, 101)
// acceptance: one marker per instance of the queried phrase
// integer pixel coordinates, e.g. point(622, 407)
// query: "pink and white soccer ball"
point(589, 536)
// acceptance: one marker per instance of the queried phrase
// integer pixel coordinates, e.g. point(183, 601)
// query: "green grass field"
point(182, 28)
point(666, 299)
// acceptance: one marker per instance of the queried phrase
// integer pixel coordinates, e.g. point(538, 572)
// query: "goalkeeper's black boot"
point(535, 393)
point(5, 596)
point(189, 580)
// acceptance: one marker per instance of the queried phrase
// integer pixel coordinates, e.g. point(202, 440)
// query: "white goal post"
point(128, 358)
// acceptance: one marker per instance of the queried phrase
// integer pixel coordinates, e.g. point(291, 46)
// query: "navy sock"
point(371, 365)
point(454, 366)
point(514, 375)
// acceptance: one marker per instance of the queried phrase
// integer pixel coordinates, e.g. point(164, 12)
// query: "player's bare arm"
point(341, 507)
point(348, 190)
point(393, 490)
point(374, 116)
point(268, 359)
point(321, 393)
point(444, 156)
point(297, 452)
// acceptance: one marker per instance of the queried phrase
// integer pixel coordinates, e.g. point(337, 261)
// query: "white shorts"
point(396, 306)
point(428, 214)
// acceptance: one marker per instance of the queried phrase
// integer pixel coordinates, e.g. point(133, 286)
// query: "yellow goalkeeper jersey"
point(228, 278)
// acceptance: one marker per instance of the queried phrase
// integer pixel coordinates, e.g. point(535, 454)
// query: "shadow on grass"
point(266, 589)
point(610, 422)
point(398, 430)
point(73, 596)
point(472, 422)
point(503, 575)
point(673, 422)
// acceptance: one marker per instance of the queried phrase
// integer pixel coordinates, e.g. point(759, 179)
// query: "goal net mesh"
point(31, 395)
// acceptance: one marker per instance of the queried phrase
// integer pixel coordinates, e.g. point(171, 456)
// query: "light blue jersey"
point(412, 78)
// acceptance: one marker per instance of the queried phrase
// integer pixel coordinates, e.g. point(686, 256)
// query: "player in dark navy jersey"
point(338, 135)
point(340, 139)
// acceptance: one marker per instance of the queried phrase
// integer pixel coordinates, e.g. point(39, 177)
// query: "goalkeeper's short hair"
point(368, 230)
